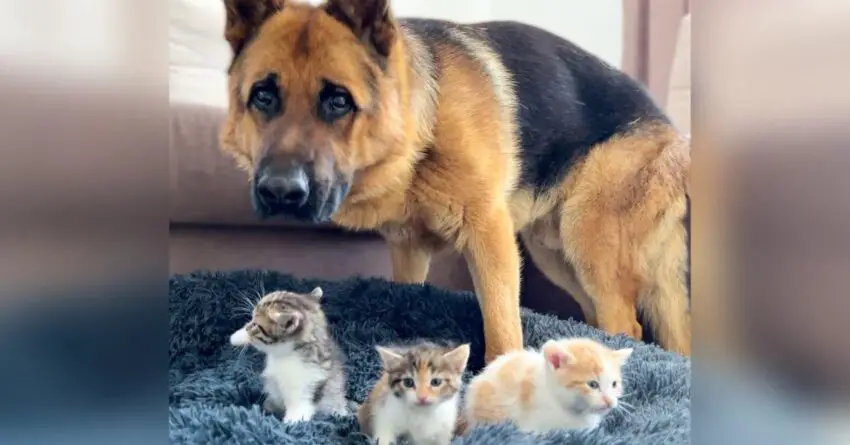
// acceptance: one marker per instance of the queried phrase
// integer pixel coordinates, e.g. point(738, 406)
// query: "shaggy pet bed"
point(215, 389)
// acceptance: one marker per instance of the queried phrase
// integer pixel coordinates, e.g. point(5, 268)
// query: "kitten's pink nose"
point(423, 400)
point(609, 402)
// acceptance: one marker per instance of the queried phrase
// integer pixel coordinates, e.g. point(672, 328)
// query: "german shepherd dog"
point(443, 135)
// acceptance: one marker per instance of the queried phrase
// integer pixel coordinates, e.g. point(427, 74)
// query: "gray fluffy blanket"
point(215, 391)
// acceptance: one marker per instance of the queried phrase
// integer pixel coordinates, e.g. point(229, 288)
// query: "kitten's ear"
point(371, 21)
point(289, 321)
point(623, 354)
point(389, 357)
point(244, 18)
point(458, 357)
point(316, 293)
point(556, 356)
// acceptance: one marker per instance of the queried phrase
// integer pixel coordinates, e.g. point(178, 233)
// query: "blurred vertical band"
point(83, 221)
point(770, 221)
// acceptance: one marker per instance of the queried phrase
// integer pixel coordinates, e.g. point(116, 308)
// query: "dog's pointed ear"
point(244, 17)
point(371, 21)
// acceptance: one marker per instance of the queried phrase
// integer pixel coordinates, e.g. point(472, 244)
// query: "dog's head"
point(312, 100)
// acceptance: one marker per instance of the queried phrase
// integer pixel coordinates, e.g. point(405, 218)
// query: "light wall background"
point(596, 25)
point(199, 55)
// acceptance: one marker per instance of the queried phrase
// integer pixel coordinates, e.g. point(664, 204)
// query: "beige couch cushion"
point(205, 185)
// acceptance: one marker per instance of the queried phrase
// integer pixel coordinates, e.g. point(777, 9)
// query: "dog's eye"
point(265, 99)
point(334, 103)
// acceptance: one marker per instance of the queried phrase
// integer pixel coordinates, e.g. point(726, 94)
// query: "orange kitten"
point(571, 383)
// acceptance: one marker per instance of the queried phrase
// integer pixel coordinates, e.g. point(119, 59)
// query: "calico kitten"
point(417, 395)
point(303, 372)
point(569, 384)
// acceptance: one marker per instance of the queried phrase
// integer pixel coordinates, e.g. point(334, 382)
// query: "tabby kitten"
point(417, 395)
point(303, 372)
point(570, 384)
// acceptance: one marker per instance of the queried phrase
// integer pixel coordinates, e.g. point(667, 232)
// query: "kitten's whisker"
point(242, 311)
point(241, 354)
point(246, 297)
point(246, 306)
point(627, 415)
point(626, 408)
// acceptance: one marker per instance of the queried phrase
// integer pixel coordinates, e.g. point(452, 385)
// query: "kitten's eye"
point(408, 382)
point(614, 384)
point(334, 103)
point(593, 384)
point(436, 382)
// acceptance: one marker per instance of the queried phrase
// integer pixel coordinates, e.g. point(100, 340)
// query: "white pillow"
point(198, 53)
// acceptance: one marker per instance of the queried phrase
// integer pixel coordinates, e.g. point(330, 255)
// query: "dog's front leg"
point(410, 262)
point(492, 255)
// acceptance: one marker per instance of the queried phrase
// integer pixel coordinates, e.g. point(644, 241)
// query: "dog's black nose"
point(282, 192)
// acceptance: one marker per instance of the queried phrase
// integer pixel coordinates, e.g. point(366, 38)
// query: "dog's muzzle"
point(281, 192)
point(294, 193)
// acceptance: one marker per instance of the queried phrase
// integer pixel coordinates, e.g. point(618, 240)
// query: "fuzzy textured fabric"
point(215, 391)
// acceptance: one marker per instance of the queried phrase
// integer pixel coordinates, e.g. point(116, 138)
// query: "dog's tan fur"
point(441, 170)
point(612, 234)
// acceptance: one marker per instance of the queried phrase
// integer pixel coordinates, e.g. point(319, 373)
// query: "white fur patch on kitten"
point(426, 425)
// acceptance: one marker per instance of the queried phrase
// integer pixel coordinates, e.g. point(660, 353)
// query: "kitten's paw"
point(298, 415)
point(436, 440)
point(384, 440)
point(301, 417)
point(352, 407)
point(271, 407)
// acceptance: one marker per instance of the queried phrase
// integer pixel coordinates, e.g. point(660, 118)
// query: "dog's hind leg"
point(622, 230)
point(554, 266)
point(594, 247)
